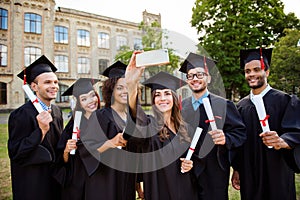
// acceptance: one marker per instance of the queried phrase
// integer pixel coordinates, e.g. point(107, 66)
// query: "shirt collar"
point(44, 106)
point(197, 102)
point(265, 91)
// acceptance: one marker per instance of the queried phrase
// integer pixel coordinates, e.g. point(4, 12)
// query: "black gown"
point(160, 160)
point(264, 173)
point(74, 174)
point(109, 181)
point(212, 162)
point(32, 161)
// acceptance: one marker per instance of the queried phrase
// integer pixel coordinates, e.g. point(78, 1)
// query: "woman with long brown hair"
point(74, 170)
point(164, 137)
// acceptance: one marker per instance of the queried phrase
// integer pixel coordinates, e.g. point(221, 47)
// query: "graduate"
point(163, 137)
point(76, 169)
point(33, 136)
point(212, 155)
point(262, 169)
point(105, 140)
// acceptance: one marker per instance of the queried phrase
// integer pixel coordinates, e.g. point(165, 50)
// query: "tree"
point(151, 39)
point(226, 26)
point(285, 64)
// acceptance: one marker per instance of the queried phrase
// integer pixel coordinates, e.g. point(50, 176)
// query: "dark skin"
point(257, 81)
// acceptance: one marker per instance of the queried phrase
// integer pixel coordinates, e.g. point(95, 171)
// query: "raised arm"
point(133, 75)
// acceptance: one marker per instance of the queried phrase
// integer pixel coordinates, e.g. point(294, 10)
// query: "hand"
point(44, 118)
point(118, 140)
point(71, 144)
point(271, 138)
point(133, 73)
point(186, 165)
point(235, 180)
point(139, 190)
point(218, 136)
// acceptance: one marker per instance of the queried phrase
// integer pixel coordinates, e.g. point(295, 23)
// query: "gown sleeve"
point(24, 144)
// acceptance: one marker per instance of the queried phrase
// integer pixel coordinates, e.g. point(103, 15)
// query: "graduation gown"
point(32, 161)
point(264, 173)
point(74, 174)
point(108, 182)
point(212, 162)
point(162, 177)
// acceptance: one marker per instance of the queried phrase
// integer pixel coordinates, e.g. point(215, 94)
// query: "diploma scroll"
point(76, 126)
point(193, 144)
point(33, 98)
point(209, 113)
point(261, 112)
point(119, 147)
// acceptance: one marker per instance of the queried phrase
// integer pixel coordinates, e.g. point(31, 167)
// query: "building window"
point(62, 63)
point(59, 97)
point(121, 41)
point(61, 34)
point(3, 19)
point(137, 44)
point(83, 65)
point(103, 63)
point(103, 40)
point(31, 54)
point(143, 93)
point(3, 93)
point(100, 94)
point(83, 38)
point(33, 23)
point(3, 55)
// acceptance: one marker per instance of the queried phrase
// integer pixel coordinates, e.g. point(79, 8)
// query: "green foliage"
point(285, 67)
point(151, 40)
point(228, 26)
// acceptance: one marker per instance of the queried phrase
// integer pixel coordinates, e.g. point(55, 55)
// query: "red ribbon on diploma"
point(209, 120)
point(192, 149)
point(212, 120)
point(77, 132)
point(263, 121)
point(35, 101)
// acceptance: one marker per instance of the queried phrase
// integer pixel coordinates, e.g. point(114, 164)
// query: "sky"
point(175, 14)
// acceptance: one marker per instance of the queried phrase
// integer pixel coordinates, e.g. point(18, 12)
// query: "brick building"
point(80, 44)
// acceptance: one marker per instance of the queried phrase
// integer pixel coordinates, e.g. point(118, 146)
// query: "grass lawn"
point(5, 184)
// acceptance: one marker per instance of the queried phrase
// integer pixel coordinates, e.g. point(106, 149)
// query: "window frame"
point(3, 19)
point(61, 34)
point(83, 38)
point(83, 65)
point(3, 55)
point(33, 54)
point(33, 24)
point(62, 63)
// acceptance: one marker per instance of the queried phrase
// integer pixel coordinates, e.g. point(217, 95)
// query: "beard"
point(259, 84)
point(198, 90)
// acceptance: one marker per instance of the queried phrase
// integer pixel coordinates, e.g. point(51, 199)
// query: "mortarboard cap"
point(194, 60)
point(81, 86)
point(255, 54)
point(163, 80)
point(115, 70)
point(39, 66)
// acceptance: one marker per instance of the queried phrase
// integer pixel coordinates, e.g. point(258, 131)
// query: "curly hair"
point(107, 90)
point(176, 118)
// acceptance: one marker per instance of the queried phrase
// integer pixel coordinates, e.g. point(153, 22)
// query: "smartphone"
point(152, 58)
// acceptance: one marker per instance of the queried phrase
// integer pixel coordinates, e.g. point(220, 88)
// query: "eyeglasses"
point(199, 75)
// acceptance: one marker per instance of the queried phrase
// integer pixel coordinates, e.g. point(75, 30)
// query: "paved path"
point(4, 118)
